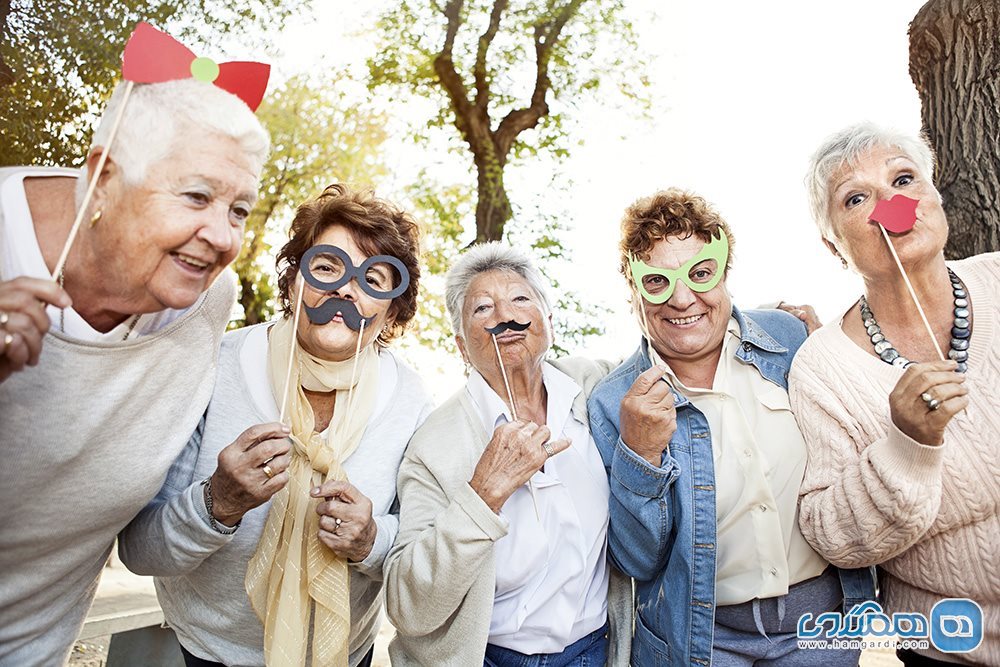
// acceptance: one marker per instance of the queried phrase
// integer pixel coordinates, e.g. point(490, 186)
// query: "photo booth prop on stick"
point(152, 56)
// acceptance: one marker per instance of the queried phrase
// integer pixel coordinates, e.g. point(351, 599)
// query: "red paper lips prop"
point(897, 215)
point(152, 56)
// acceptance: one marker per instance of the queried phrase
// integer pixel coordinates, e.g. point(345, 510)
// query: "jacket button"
point(746, 346)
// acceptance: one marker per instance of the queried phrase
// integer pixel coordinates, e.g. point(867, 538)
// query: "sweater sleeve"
point(863, 501)
point(172, 535)
point(442, 545)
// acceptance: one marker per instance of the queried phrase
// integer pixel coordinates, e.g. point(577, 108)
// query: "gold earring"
point(94, 219)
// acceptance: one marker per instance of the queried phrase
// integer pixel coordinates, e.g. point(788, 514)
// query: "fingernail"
point(315, 491)
point(285, 429)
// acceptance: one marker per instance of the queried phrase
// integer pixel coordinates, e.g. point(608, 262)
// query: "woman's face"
point(162, 242)
point(690, 325)
point(500, 296)
point(880, 174)
point(335, 341)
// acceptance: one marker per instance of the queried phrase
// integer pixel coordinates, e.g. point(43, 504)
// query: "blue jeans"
point(590, 651)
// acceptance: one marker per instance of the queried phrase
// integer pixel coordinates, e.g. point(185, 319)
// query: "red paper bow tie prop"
point(152, 56)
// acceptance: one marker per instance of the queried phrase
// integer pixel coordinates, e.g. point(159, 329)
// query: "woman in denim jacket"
point(704, 457)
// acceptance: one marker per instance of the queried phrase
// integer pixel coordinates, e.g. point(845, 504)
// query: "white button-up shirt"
point(551, 567)
point(759, 461)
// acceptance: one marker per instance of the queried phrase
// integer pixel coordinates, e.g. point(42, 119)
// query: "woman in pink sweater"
point(903, 471)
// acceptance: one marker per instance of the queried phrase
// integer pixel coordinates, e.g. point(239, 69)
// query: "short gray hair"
point(483, 258)
point(155, 116)
point(847, 147)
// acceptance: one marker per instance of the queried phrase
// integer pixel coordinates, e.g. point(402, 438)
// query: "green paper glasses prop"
point(657, 285)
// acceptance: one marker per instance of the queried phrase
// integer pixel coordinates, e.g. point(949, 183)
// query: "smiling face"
point(499, 296)
point(855, 190)
point(335, 341)
point(690, 325)
point(162, 242)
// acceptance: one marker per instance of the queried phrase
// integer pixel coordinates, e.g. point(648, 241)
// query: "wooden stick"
point(913, 294)
point(506, 382)
point(96, 176)
point(291, 348)
point(513, 412)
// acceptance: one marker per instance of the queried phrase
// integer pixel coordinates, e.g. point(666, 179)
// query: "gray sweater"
point(87, 438)
point(200, 572)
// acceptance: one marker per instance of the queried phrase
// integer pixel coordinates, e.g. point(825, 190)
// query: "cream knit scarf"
point(292, 573)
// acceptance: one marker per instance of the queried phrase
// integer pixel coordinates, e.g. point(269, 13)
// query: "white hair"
point(847, 147)
point(483, 258)
point(157, 114)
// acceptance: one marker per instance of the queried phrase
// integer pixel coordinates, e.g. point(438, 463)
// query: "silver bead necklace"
point(961, 330)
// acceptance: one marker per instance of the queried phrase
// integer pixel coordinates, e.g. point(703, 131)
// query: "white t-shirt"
point(21, 255)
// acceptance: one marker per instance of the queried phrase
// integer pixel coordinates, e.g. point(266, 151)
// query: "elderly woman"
point(93, 420)
point(704, 456)
point(902, 463)
point(503, 501)
point(310, 520)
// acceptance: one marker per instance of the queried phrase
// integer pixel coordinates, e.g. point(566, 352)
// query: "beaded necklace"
point(961, 330)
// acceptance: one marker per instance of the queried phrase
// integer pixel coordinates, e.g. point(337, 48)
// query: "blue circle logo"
point(956, 625)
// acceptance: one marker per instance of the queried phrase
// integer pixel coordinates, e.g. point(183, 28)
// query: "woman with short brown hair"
point(255, 544)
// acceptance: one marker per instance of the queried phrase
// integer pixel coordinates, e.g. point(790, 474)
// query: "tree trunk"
point(955, 65)
point(493, 208)
point(6, 73)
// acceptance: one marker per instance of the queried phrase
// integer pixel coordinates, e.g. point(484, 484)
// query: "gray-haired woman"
point(103, 381)
point(902, 469)
point(501, 552)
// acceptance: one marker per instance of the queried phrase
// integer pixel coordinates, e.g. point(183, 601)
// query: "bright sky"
point(743, 93)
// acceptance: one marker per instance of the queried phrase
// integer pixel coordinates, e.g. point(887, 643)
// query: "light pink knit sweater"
point(871, 495)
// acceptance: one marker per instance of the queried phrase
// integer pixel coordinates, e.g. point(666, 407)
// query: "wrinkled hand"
point(805, 312)
point(240, 483)
point(511, 457)
point(647, 415)
point(22, 304)
point(908, 409)
point(354, 537)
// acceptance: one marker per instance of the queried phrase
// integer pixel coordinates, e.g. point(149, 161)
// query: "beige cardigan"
point(440, 576)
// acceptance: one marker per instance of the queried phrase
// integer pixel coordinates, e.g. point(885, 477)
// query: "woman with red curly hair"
point(267, 540)
point(704, 457)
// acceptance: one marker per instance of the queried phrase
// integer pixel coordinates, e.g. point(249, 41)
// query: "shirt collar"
point(561, 389)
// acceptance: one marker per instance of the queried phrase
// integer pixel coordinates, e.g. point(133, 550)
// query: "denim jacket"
point(663, 520)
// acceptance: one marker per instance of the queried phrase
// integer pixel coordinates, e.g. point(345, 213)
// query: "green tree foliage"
point(507, 75)
point(492, 67)
point(60, 59)
point(320, 135)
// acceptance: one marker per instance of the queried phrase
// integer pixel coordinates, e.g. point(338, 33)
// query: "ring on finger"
point(337, 521)
point(8, 339)
point(926, 397)
point(4, 318)
point(933, 404)
point(547, 446)
point(268, 471)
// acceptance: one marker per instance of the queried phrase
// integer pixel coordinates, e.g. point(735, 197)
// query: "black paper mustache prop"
point(509, 325)
point(327, 310)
